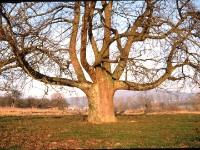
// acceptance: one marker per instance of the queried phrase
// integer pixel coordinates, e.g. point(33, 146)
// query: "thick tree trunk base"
point(101, 107)
point(103, 119)
point(100, 100)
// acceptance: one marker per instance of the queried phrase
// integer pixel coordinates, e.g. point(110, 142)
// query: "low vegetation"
point(15, 100)
point(72, 131)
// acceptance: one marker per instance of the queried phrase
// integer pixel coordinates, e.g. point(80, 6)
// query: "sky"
point(37, 89)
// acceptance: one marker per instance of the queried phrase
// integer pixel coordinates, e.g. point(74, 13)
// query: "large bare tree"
point(102, 46)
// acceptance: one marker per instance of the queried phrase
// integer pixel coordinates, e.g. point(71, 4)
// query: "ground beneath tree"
point(71, 132)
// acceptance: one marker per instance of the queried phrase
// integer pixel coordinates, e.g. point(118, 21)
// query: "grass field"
point(133, 131)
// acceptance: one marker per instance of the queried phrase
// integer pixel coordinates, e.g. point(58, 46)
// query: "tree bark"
point(100, 99)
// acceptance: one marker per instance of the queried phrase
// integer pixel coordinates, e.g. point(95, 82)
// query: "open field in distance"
point(9, 111)
point(34, 111)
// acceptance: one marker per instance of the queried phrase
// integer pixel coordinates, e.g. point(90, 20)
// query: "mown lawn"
point(136, 131)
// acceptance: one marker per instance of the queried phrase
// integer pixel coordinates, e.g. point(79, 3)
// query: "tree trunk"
point(100, 100)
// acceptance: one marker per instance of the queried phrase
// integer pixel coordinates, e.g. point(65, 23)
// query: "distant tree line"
point(14, 99)
point(144, 102)
point(148, 104)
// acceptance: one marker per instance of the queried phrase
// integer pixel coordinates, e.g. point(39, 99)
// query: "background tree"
point(100, 47)
point(14, 96)
point(5, 102)
point(58, 100)
point(146, 102)
point(33, 102)
point(195, 102)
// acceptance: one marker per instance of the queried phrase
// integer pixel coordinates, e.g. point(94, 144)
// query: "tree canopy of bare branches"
point(100, 47)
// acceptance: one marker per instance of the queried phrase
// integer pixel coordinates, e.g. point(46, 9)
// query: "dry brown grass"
point(35, 111)
point(130, 112)
point(54, 111)
point(177, 112)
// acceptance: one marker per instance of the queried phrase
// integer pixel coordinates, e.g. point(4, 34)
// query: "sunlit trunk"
point(100, 99)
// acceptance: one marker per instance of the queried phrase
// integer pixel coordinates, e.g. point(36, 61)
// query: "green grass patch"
point(136, 131)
